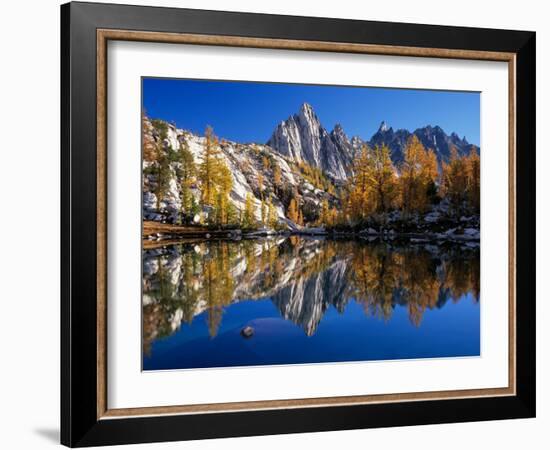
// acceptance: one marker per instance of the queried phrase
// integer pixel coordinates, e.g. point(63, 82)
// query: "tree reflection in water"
point(303, 277)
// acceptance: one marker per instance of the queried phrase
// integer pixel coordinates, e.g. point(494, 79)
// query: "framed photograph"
point(276, 224)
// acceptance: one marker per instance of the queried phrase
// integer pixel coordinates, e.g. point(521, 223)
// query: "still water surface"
point(307, 300)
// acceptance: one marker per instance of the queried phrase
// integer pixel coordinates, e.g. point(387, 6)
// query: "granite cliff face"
point(302, 138)
point(297, 145)
point(431, 137)
point(247, 164)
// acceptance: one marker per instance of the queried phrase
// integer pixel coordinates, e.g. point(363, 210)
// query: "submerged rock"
point(247, 332)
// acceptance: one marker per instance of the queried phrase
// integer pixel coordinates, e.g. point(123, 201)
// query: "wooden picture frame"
point(85, 417)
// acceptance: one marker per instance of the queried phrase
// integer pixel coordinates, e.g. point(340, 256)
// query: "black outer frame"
point(79, 423)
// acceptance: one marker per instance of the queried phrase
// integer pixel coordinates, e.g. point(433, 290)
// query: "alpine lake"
point(293, 299)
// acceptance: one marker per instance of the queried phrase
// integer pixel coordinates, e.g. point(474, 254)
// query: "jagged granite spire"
point(302, 138)
point(383, 127)
point(432, 137)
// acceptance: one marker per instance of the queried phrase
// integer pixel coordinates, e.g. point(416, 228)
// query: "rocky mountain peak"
point(435, 138)
point(307, 109)
point(432, 137)
point(338, 134)
point(303, 138)
point(307, 118)
point(383, 127)
point(356, 141)
point(338, 129)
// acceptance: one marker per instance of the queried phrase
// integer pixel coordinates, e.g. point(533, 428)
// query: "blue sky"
point(248, 111)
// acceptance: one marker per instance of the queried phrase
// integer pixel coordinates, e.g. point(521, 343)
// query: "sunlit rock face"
point(297, 141)
point(302, 138)
point(305, 300)
point(303, 278)
point(432, 137)
point(249, 165)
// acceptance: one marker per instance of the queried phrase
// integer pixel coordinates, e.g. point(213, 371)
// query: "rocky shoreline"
point(163, 234)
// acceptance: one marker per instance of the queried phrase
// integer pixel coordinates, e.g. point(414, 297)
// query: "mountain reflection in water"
point(190, 288)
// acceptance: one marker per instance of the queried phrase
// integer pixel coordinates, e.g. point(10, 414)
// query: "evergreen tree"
point(264, 211)
point(324, 216)
point(216, 180)
point(224, 185)
point(261, 184)
point(277, 177)
point(155, 152)
point(373, 187)
point(272, 218)
point(232, 215)
point(383, 179)
point(248, 218)
point(163, 174)
point(474, 166)
point(335, 217)
point(186, 174)
point(360, 204)
point(292, 212)
point(454, 181)
point(209, 169)
point(418, 175)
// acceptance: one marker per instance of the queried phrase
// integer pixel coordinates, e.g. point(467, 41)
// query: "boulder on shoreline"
point(369, 231)
point(313, 231)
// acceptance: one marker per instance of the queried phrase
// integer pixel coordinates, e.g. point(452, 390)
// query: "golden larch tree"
point(261, 184)
point(418, 174)
point(248, 217)
point(263, 211)
point(277, 176)
point(324, 215)
point(209, 168)
point(474, 172)
point(186, 173)
point(272, 218)
point(374, 184)
point(292, 212)
point(454, 180)
point(360, 204)
point(224, 186)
